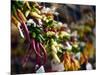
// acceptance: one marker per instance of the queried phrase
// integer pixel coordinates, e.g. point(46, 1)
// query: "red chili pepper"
point(26, 31)
point(38, 50)
point(34, 48)
point(24, 26)
point(45, 53)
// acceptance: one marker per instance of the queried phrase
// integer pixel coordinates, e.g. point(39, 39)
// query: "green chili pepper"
point(33, 34)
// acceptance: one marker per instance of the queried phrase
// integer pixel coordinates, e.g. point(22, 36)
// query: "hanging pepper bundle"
point(33, 36)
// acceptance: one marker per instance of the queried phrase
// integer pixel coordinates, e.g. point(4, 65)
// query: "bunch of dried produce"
point(49, 39)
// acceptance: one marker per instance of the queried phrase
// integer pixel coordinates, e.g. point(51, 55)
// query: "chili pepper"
point(56, 56)
point(34, 14)
point(38, 50)
point(14, 21)
point(22, 18)
point(27, 4)
point(34, 47)
point(37, 46)
point(45, 53)
point(26, 31)
point(24, 27)
point(14, 12)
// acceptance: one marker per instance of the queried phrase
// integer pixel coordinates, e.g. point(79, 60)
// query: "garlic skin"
point(57, 66)
point(89, 66)
point(40, 70)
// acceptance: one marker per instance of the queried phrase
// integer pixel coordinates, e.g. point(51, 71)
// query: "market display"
point(41, 42)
